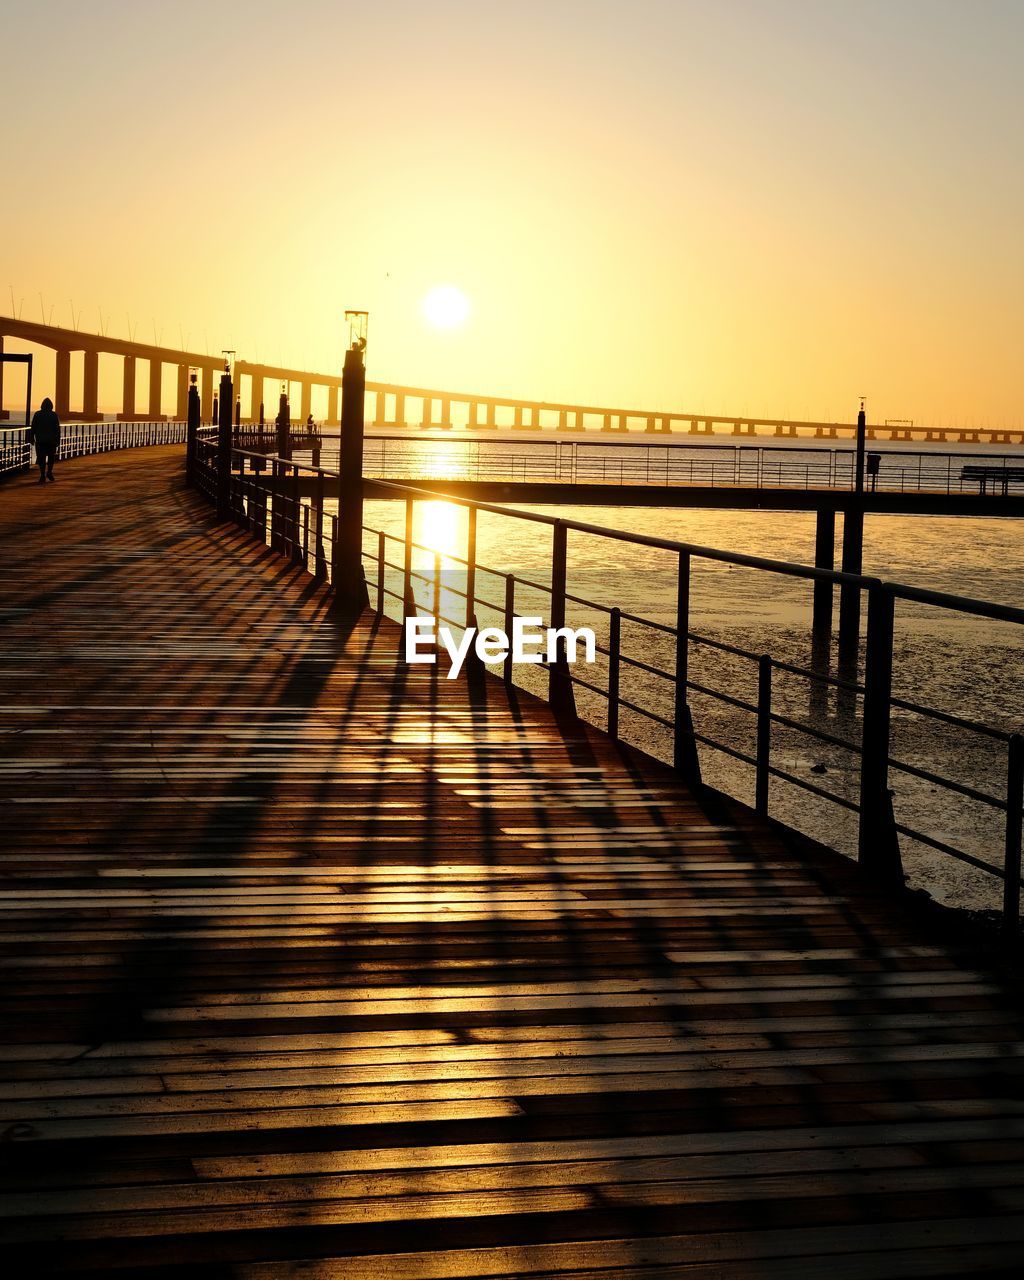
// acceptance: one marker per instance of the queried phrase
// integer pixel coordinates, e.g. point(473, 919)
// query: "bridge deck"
point(314, 965)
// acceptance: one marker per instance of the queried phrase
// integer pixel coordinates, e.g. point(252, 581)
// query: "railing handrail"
point(902, 591)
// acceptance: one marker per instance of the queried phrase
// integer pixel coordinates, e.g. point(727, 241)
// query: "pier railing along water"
point(81, 438)
point(263, 496)
point(644, 462)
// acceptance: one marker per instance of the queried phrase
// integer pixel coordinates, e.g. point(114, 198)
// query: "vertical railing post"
point(1012, 858)
point(408, 602)
point(560, 691)
point(614, 667)
point(510, 613)
point(684, 746)
point(470, 566)
point(764, 734)
point(381, 554)
point(878, 844)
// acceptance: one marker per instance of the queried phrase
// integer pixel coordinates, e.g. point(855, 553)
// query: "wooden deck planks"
point(317, 965)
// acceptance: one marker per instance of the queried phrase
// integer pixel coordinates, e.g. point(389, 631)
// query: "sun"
point(446, 307)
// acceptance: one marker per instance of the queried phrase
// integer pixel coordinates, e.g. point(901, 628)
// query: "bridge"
point(319, 964)
point(388, 404)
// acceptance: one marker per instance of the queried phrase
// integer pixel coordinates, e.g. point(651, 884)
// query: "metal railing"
point(265, 498)
point(78, 439)
point(644, 462)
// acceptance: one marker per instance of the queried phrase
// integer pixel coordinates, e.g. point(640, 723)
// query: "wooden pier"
point(318, 965)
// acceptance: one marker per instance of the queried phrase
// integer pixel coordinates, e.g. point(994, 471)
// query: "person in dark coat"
point(46, 435)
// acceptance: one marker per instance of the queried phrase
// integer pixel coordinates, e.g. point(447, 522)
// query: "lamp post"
point(861, 436)
point(350, 593)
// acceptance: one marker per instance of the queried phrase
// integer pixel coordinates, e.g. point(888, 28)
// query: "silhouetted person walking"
point(46, 435)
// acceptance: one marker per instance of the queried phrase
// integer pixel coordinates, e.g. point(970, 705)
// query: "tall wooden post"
point(685, 758)
point(849, 595)
point(225, 401)
point(560, 690)
point(191, 436)
point(284, 427)
point(878, 844)
point(349, 581)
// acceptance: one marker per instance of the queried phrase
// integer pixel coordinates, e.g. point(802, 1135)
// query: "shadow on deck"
point(316, 965)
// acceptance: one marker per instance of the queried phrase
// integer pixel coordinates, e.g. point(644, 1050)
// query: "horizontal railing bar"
point(961, 788)
point(651, 715)
point(645, 666)
point(947, 717)
point(820, 792)
point(726, 750)
point(728, 698)
point(822, 734)
point(942, 847)
point(585, 684)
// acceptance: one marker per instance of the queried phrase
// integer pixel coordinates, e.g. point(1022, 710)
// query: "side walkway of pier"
point(317, 965)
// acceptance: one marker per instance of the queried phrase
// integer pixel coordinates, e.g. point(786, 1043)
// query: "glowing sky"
point(760, 206)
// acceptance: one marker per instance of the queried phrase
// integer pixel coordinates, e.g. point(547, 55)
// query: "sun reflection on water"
point(437, 526)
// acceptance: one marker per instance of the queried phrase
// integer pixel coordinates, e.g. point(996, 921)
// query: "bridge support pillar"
point(306, 401)
point(62, 386)
point(428, 412)
point(255, 396)
point(127, 413)
point(206, 396)
point(4, 415)
point(332, 406)
point(490, 414)
point(380, 417)
point(849, 596)
point(90, 386)
point(181, 396)
point(474, 408)
point(400, 409)
point(156, 371)
point(446, 413)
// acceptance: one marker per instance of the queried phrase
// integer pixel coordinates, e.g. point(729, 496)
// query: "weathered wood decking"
point(316, 965)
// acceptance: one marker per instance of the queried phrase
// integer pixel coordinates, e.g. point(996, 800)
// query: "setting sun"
point(446, 307)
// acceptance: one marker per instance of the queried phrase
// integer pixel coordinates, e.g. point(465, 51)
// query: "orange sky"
point(763, 207)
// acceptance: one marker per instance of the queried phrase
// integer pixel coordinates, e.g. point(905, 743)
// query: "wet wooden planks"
point(318, 965)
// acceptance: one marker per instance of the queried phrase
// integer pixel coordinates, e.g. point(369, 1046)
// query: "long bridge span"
point(395, 406)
